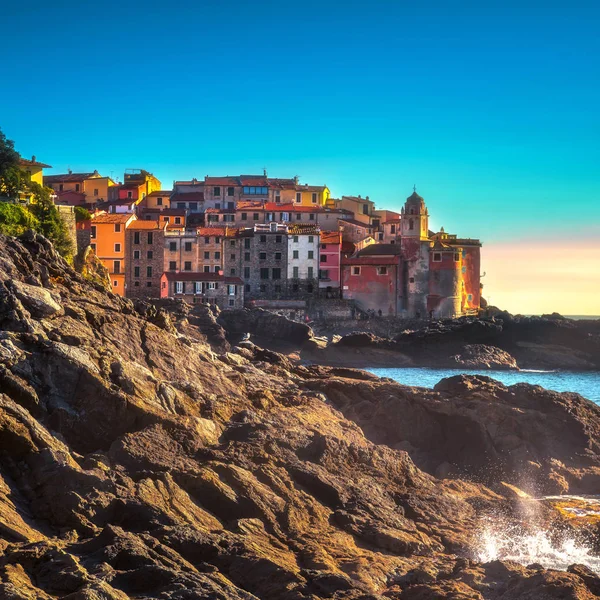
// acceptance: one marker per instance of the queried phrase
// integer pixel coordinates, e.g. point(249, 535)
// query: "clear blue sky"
point(491, 108)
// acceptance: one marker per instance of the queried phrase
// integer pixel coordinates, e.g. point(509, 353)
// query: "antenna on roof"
point(265, 171)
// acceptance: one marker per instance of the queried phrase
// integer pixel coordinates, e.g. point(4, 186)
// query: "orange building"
point(108, 242)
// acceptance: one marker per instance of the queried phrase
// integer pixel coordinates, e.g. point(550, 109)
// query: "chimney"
point(296, 179)
point(366, 197)
point(359, 196)
point(33, 158)
point(69, 171)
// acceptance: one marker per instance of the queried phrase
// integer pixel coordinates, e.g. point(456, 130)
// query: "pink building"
point(329, 265)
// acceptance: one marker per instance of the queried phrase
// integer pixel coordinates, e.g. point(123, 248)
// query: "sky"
point(490, 108)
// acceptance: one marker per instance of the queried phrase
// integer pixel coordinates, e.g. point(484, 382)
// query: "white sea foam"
point(498, 540)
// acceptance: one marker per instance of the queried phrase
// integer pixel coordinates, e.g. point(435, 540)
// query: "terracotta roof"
point(177, 212)
point(188, 197)
point(123, 201)
point(177, 226)
point(254, 180)
point(220, 211)
point(33, 163)
point(330, 237)
point(392, 221)
point(381, 250)
point(227, 180)
point(69, 193)
point(144, 224)
point(112, 218)
point(246, 204)
point(304, 229)
point(370, 260)
point(355, 222)
point(358, 199)
point(160, 193)
point(67, 177)
point(187, 276)
point(282, 184)
point(211, 231)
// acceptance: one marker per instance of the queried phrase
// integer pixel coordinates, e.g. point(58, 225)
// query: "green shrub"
point(16, 219)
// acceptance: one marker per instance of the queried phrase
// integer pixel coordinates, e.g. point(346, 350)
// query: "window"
point(309, 288)
point(311, 216)
point(310, 272)
point(323, 258)
point(230, 191)
point(172, 265)
point(244, 216)
point(136, 271)
point(188, 246)
point(437, 257)
point(117, 227)
point(148, 271)
point(136, 284)
point(382, 271)
point(60, 187)
point(206, 255)
point(206, 269)
point(217, 255)
point(232, 242)
point(324, 274)
point(193, 205)
point(355, 270)
point(197, 287)
point(263, 238)
point(392, 229)
point(470, 297)
point(295, 239)
point(298, 216)
point(117, 247)
point(212, 285)
point(247, 243)
point(255, 216)
point(116, 267)
point(262, 256)
point(177, 220)
point(250, 190)
point(296, 254)
point(207, 240)
point(115, 283)
point(314, 198)
point(246, 272)
point(150, 254)
point(231, 302)
point(77, 187)
point(278, 239)
point(96, 192)
point(166, 219)
point(179, 288)
point(232, 272)
point(295, 287)
point(217, 205)
point(411, 224)
point(216, 191)
point(159, 202)
point(296, 273)
point(299, 197)
point(129, 194)
point(276, 273)
point(456, 257)
point(365, 209)
point(136, 254)
point(412, 279)
point(232, 256)
point(136, 237)
point(187, 265)
point(278, 197)
point(230, 205)
point(172, 246)
point(217, 268)
point(181, 205)
point(311, 254)
point(247, 256)
point(380, 237)
point(247, 287)
point(93, 231)
point(231, 290)
point(264, 273)
point(311, 239)
point(263, 287)
point(277, 255)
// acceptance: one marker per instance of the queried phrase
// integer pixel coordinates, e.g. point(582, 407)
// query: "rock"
point(39, 301)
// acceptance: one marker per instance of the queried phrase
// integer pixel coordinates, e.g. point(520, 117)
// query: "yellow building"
point(311, 195)
point(363, 208)
point(159, 200)
point(34, 169)
point(108, 242)
point(94, 186)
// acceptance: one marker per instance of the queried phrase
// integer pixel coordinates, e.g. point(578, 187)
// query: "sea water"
point(586, 383)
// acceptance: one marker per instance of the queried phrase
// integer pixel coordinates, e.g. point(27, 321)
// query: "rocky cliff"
point(139, 461)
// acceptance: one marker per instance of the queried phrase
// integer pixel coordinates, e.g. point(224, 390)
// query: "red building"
point(329, 263)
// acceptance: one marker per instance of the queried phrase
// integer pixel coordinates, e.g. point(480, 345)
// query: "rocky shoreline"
point(142, 455)
point(500, 342)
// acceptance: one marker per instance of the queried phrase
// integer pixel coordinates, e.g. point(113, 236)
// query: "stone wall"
point(67, 215)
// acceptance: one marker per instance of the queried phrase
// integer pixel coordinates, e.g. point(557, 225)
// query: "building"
point(389, 231)
point(363, 208)
point(311, 195)
point(354, 231)
point(157, 200)
point(303, 261)
point(107, 238)
point(34, 169)
point(144, 264)
point(95, 187)
point(373, 279)
point(329, 263)
point(181, 251)
point(209, 288)
point(175, 218)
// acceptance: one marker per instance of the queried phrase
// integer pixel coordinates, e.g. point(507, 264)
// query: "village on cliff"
point(279, 244)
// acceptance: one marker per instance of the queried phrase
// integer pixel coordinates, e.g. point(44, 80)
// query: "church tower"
point(415, 218)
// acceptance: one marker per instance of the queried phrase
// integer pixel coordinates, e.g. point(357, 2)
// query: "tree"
point(11, 175)
point(50, 223)
point(81, 214)
point(16, 219)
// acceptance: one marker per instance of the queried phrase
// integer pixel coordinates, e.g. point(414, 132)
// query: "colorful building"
point(363, 208)
point(34, 169)
point(107, 239)
point(95, 187)
point(329, 263)
point(303, 260)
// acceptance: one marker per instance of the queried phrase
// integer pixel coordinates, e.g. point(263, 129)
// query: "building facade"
point(206, 288)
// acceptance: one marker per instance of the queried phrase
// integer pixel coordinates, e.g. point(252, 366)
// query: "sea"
point(586, 383)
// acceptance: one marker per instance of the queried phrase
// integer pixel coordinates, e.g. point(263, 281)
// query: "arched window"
point(411, 224)
point(412, 210)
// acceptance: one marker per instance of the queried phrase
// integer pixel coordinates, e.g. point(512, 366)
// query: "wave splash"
point(526, 546)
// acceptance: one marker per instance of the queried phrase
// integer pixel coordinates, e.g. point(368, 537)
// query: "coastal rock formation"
point(477, 428)
point(138, 462)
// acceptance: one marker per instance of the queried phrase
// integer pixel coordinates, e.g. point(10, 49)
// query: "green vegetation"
point(81, 214)
point(40, 214)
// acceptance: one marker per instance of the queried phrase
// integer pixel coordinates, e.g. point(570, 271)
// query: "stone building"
point(207, 288)
point(144, 264)
point(303, 261)
point(181, 250)
point(260, 257)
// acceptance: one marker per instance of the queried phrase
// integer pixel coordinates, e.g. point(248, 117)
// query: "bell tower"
point(415, 217)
